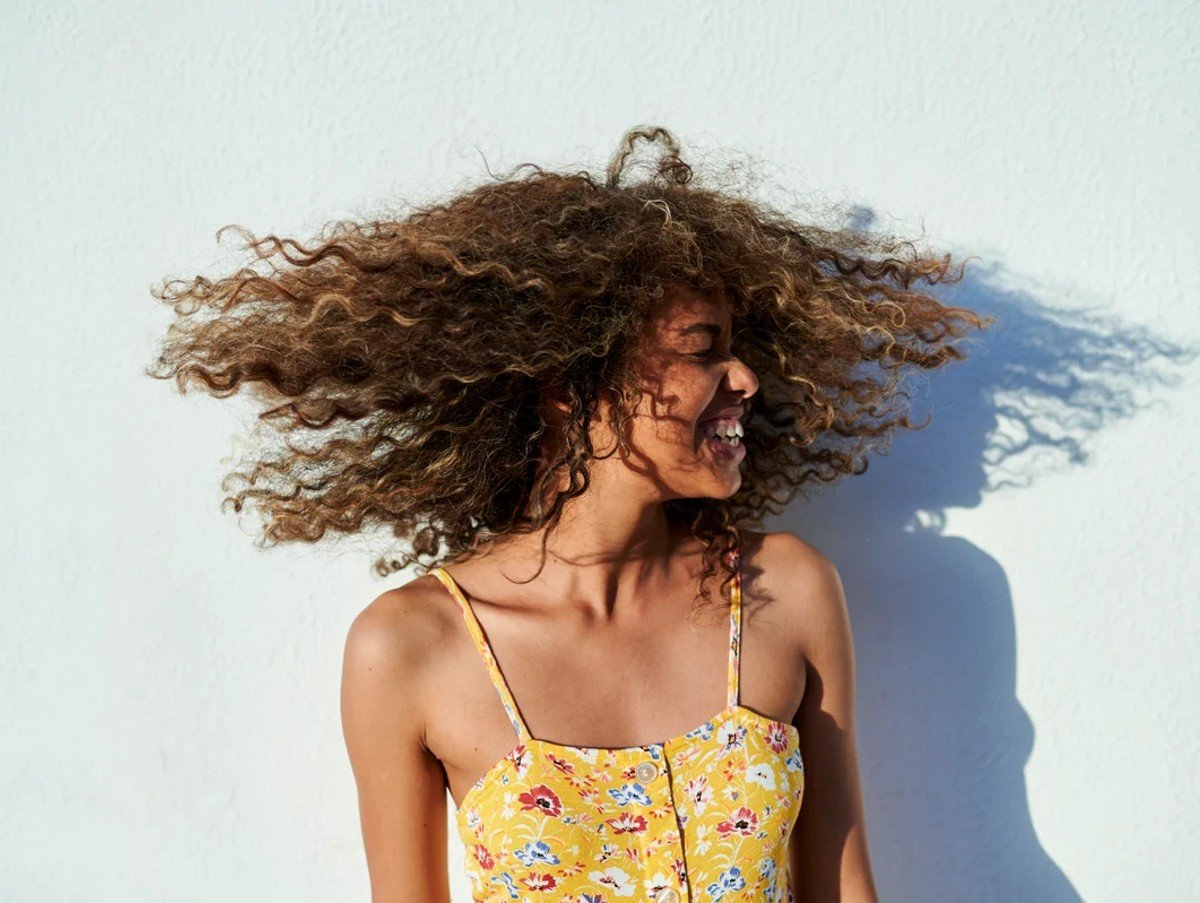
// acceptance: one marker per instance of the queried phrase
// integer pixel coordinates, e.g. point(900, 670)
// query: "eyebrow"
point(711, 328)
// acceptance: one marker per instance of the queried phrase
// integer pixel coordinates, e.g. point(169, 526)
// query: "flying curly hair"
point(403, 364)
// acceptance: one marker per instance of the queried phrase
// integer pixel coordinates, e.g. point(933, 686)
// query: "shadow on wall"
point(943, 740)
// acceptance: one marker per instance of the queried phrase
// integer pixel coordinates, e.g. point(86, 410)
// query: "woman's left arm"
point(828, 856)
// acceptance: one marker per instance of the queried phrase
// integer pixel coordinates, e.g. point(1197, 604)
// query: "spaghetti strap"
point(735, 631)
point(485, 651)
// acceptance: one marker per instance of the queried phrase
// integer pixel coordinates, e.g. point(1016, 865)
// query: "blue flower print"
point(730, 879)
point(510, 885)
point(793, 762)
point(630, 793)
point(537, 851)
point(767, 868)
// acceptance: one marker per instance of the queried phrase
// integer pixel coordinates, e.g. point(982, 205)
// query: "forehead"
point(684, 306)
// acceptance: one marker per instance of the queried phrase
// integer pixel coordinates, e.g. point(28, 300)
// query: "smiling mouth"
point(723, 430)
point(722, 436)
point(732, 441)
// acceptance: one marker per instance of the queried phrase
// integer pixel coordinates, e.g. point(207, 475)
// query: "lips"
point(734, 413)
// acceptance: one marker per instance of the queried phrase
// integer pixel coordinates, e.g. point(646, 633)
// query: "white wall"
point(1022, 574)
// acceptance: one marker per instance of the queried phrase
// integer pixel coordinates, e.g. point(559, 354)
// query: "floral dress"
point(704, 816)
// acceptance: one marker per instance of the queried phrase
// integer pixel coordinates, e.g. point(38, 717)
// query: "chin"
point(719, 489)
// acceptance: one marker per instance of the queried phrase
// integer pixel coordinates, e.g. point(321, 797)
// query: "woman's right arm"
point(401, 785)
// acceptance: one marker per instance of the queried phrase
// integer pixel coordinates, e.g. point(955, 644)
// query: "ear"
point(552, 405)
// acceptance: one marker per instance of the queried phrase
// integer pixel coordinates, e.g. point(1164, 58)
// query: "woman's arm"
point(401, 786)
point(828, 855)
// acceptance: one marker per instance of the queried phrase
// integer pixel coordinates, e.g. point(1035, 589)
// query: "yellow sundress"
point(704, 816)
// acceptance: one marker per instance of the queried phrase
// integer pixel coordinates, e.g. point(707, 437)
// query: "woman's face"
point(696, 391)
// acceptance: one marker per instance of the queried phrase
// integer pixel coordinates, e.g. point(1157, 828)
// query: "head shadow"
point(942, 738)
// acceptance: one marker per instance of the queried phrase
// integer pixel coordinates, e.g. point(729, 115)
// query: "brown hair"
point(403, 364)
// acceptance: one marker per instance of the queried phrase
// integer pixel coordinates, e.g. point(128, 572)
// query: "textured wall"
point(1022, 574)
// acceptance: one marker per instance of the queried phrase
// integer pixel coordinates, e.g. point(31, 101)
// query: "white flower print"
point(731, 735)
point(762, 774)
point(655, 884)
point(699, 793)
point(616, 879)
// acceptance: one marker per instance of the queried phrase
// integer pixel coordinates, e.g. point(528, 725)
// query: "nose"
point(741, 378)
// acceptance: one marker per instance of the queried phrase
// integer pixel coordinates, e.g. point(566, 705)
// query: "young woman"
point(571, 398)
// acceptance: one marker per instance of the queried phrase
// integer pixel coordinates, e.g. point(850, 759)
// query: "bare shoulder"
point(391, 645)
point(808, 588)
point(391, 648)
point(795, 573)
point(801, 593)
point(828, 848)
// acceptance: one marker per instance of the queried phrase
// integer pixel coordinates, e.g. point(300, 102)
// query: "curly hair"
point(403, 364)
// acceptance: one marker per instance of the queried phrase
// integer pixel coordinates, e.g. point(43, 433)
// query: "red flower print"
point(628, 823)
point(483, 856)
point(743, 821)
point(561, 764)
point(777, 737)
point(542, 798)
point(539, 882)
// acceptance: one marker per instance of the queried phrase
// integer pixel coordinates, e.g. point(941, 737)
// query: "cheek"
point(677, 400)
point(665, 433)
point(664, 423)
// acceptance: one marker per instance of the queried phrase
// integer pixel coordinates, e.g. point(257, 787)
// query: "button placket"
point(654, 773)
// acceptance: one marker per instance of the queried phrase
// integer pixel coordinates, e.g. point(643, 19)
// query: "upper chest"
point(583, 684)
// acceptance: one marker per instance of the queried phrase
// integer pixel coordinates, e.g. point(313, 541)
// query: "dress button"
point(646, 771)
point(668, 895)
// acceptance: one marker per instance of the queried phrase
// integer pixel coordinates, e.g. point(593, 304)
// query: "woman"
point(574, 396)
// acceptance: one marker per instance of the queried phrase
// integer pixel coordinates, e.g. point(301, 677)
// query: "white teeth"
point(728, 430)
